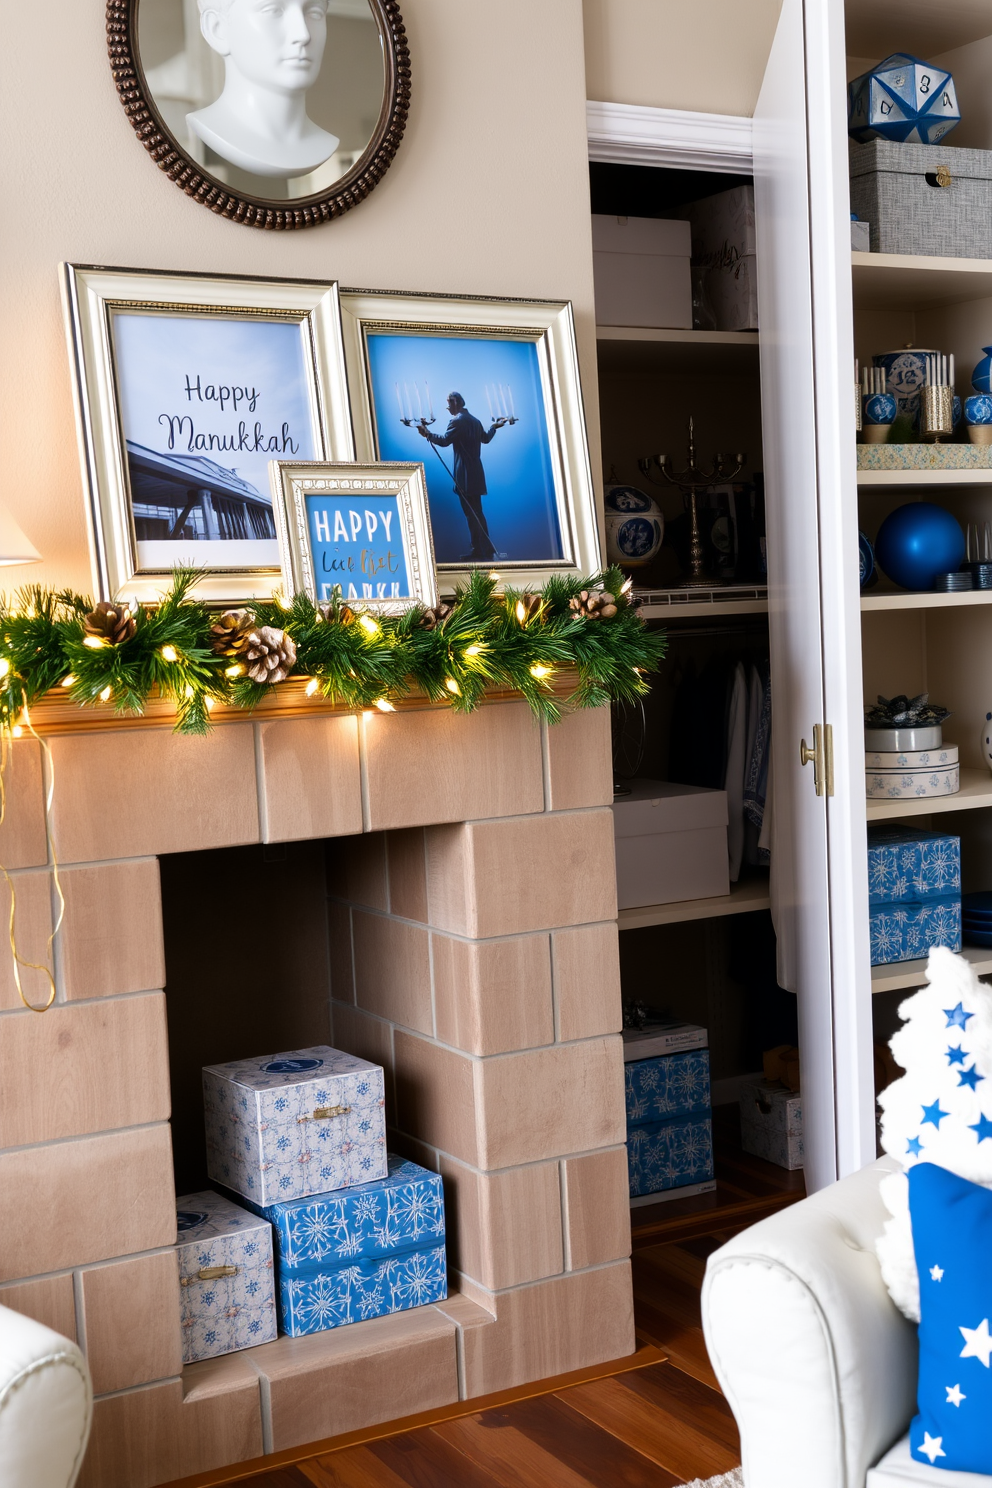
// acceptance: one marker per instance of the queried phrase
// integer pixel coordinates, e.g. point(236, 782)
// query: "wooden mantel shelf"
point(56, 714)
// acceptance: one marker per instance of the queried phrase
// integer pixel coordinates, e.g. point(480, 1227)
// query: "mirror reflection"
point(275, 98)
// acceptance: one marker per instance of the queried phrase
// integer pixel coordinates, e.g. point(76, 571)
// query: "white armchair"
point(816, 1361)
point(45, 1405)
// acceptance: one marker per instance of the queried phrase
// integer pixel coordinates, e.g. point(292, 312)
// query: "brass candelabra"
point(693, 478)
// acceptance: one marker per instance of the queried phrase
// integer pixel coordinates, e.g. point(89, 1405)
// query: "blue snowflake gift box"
point(288, 1125)
point(914, 893)
point(360, 1253)
point(667, 1092)
point(226, 1277)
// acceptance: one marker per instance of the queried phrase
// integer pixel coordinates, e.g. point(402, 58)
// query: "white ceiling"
point(875, 28)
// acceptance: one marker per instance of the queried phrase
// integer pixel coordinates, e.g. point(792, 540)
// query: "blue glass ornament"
point(902, 99)
point(878, 408)
point(981, 378)
point(918, 541)
point(866, 559)
point(978, 410)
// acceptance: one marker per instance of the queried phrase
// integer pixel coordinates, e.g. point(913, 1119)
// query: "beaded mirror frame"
point(237, 205)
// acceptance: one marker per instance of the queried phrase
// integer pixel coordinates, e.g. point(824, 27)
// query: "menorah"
point(499, 397)
point(694, 479)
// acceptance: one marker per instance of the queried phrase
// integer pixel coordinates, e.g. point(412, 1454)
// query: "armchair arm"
point(45, 1405)
point(817, 1363)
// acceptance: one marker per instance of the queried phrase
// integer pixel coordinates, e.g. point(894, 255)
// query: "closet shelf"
point(906, 281)
point(676, 335)
point(913, 973)
point(750, 894)
point(975, 792)
point(872, 479)
point(627, 349)
point(672, 604)
point(928, 600)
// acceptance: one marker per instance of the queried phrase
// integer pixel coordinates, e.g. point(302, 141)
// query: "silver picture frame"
point(352, 533)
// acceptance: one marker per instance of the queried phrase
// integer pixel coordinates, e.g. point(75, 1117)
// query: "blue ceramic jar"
point(981, 378)
point(978, 410)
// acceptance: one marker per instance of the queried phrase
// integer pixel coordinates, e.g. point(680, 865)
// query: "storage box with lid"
point(914, 893)
point(724, 243)
point(226, 1277)
point(667, 1095)
point(360, 1253)
point(772, 1124)
point(287, 1125)
point(641, 272)
point(671, 843)
point(933, 200)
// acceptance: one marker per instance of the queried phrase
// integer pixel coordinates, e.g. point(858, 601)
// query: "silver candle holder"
point(937, 399)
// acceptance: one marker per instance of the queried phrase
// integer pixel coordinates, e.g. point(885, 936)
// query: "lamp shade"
point(14, 546)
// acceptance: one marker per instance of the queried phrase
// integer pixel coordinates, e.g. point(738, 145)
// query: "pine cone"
point(111, 622)
point(435, 618)
point(343, 613)
point(528, 607)
point(269, 654)
point(229, 635)
point(593, 604)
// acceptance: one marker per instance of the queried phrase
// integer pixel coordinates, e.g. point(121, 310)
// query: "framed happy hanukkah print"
point(187, 387)
point(486, 395)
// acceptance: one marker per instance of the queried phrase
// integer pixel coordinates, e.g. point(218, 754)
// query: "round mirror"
point(276, 113)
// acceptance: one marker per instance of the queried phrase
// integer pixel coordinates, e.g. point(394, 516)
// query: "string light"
point(521, 612)
point(539, 670)
point(493, 574)
point(452, 686)
point(67, 681)
point(312, 686)
point(167, 653)
point(95, 643)
point(4, 666)
point(190, 690)
point(210, 704)
point(234, 671)
point(626, 586)
point(474, 650)
point(368, 625)
point(105, 695)
point(17, 731)
point(384, 705)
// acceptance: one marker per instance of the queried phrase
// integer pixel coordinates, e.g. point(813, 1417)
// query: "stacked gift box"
point(914, 893)
point(669, 1131)
point(336, 1229)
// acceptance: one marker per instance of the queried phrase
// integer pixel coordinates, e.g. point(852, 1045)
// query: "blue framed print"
point(359, 533)
point(486, 394)
point(187, 387)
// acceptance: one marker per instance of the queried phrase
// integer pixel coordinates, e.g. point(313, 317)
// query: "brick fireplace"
point(460, 931)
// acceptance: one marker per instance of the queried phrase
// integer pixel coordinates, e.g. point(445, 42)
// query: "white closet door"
point(819, 868)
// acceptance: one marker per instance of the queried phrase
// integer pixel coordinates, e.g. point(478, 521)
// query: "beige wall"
point(488, 195)
point(706, 55)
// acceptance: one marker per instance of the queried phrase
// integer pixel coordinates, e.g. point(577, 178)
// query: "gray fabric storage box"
point(890, 190)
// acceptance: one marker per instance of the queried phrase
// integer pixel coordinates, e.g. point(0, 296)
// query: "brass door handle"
point(821, 757)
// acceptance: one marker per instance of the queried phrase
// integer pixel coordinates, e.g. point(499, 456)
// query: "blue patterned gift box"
point(669, 1154)
point(360, 1253)
point(909, 867)
point(226, 1278)
point(289, 1125)
point(669, 1138)
point(907, 932)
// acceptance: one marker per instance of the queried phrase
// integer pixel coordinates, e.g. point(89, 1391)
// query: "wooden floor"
point(651, 1427)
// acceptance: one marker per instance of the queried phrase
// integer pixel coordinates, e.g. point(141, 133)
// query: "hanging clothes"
point(737, 732)
point(756, 779)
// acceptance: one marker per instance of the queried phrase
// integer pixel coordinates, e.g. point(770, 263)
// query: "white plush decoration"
point(940, 1111)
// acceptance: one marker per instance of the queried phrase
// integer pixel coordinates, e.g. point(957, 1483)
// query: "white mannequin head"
point(272, 52)
point(275, 44)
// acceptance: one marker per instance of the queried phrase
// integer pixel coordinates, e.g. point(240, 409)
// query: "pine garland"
point(505, 640)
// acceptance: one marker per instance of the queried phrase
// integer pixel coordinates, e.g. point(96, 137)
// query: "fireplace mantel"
point(470, 947)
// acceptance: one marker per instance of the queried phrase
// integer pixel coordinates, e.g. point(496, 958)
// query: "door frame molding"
point(635, 134)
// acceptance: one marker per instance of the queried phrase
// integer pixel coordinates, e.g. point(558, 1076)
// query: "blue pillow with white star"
point(952, 1236)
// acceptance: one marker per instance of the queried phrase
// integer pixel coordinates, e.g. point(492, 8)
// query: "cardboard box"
point(772, 1124)
point(895, 188)
point(671, 844)
point(724, 242)
point(641, 272)
point(668, 1037)
point(360, 1253)
point(293, 1124)
point(226, 1277)
point(664, 1155)
point(667, 1085)
point(909, 931)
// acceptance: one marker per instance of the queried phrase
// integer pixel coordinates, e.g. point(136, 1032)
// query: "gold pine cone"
point(433, 619)
point(269, 654)
point(229, 634)
point(113, 623)
point(594, 604)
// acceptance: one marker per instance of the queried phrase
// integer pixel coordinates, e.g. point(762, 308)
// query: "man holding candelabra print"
point(466, 436)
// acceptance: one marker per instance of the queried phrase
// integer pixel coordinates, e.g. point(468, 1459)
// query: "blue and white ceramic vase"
point(878, 410)
point(635, 526)
point(905, 374)
point(978, 417)
point(981, 378)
